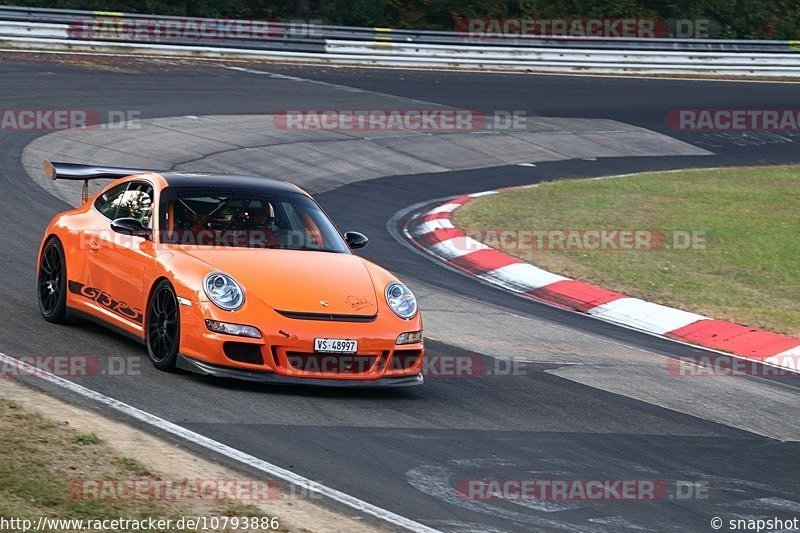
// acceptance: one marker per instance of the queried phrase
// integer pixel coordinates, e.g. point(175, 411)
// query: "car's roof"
point(194, 179)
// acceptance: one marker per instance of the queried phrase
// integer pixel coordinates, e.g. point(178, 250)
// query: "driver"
point(260, 217)
point(260, 226)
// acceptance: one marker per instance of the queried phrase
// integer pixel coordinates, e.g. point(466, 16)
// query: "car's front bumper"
point(208, 369)
point(286, 347)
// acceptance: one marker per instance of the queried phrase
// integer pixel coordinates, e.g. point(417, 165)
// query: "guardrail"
point(73, 30)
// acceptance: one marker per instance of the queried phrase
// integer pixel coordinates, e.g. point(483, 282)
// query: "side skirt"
point(75, 313)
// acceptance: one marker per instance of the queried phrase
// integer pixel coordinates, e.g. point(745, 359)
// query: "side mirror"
point(131, 226)
point(355, 240)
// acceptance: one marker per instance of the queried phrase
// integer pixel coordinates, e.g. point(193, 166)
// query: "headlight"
point(411, 337)
point(227, 328)
point(223, 291)
point(401, 300)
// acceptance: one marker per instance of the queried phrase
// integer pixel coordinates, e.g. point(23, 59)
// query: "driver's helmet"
point(260, 216)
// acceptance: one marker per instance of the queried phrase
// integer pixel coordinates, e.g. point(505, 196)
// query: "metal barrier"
point(72, 30)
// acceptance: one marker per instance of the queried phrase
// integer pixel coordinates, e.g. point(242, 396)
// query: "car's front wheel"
point(162, 332)
point(52, 282)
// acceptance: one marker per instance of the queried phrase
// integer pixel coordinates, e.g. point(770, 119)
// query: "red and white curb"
point(435, 233)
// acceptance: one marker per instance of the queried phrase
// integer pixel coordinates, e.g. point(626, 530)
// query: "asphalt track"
point(618, 416)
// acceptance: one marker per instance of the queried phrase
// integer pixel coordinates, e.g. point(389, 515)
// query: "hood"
point(297, 280)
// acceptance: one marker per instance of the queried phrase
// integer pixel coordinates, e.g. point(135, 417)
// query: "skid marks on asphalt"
point(732, 495)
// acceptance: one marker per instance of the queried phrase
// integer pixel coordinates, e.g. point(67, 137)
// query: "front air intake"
point(328, 317)
point(243, 352)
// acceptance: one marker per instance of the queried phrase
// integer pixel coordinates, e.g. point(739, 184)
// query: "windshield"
point(247, 219)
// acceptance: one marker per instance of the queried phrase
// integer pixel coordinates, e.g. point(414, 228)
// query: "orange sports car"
point(231, 276)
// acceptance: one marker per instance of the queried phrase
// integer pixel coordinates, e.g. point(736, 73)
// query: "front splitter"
point(207, 369)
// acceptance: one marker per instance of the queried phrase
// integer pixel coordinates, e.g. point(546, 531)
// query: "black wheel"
point(162, 330)
point(52, 283)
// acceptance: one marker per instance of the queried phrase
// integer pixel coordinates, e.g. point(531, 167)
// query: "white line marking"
point(348, 88)
point(218, 447)
point(274, 75)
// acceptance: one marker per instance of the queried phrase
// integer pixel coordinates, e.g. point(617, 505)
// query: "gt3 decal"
point(105, 299)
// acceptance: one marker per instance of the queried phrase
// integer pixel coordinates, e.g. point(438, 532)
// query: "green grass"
point(87, 439)
point(747, 272)
point(43, 458)
point(134, 467)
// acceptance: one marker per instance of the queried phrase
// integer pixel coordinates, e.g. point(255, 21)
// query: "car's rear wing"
point(76, 171)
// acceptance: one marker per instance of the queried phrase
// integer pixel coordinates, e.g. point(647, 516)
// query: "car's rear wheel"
point(162, 332)
point(52, 282)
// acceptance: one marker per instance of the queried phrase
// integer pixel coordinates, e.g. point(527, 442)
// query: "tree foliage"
point(740, 19)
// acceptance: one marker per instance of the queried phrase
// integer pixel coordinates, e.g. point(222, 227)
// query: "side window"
point(137, 202)
point(108, 203)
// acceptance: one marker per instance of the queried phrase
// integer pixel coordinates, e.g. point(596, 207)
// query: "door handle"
point(94, 246)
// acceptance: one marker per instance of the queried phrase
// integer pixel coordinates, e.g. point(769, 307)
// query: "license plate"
point(335, 345)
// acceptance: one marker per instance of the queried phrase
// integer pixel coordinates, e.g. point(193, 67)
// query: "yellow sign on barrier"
point(381, 40)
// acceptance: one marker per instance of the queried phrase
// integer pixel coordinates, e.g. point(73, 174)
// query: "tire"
point(163, 327)
point(51, 282)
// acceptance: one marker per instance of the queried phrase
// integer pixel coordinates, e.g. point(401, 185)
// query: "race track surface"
point(592, 401)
